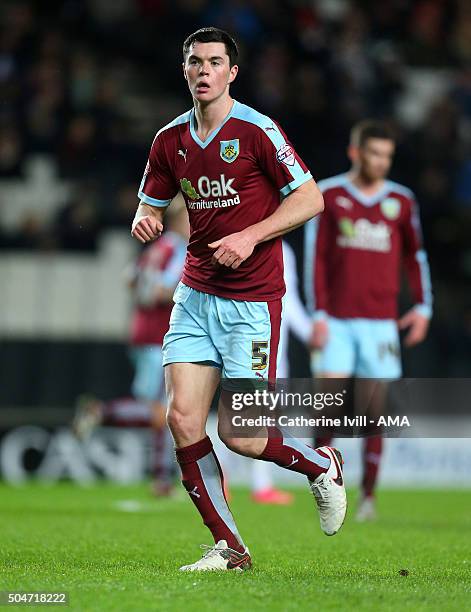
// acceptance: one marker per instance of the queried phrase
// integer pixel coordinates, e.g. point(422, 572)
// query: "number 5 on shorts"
point(259, 357)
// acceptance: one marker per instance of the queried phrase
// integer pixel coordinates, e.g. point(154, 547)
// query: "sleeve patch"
point(285, 155)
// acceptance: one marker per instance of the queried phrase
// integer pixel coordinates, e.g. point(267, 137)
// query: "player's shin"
point(163, 461)
point(322, 466)
point(372, 451)
point(202, 478)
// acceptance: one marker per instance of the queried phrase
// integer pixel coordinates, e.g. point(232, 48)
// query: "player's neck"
point(210, 116)
point(363, 184)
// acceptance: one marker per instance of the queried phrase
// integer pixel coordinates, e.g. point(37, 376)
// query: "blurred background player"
point(152, 281)
point(353, 257)
point(295, 317)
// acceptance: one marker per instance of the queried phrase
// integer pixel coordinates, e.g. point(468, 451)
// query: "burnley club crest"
point(229, 150)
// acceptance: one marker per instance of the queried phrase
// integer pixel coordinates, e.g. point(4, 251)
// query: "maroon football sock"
point(294, 455)
point(203, 479)
point(371, 459)
point(126, 412)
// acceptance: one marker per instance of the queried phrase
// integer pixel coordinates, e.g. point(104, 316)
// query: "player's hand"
point(147, 228)
point(417, 325)
point(232, 250)
point(319, 334)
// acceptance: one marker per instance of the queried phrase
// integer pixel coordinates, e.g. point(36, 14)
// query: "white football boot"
point(366, 510)
point(329, 490)
point(220, 557)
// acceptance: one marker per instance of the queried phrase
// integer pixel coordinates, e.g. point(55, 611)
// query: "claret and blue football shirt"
point(231, 180)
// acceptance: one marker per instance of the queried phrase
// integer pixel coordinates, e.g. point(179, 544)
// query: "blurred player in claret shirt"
point(152, 281)
point(353, 257)
point(232, 165)
point(155, 277)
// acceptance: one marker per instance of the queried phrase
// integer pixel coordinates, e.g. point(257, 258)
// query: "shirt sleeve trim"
point(287, 189)
point(153, 201)
point(424, 309)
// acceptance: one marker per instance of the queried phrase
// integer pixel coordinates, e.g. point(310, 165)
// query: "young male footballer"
point(353, 259)
point(232, 165)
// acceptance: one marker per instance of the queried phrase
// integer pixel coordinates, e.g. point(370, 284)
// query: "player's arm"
point(302, 198)
point(297, 318)
point(417, 319)
point(148, 222)
point(156, 191)
point(301, 204)
point(316, 245)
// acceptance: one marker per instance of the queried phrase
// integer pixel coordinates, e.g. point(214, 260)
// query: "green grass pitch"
point(117, 548)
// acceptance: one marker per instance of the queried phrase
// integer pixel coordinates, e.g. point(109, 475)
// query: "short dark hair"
point(370, 128)
point(206, 35)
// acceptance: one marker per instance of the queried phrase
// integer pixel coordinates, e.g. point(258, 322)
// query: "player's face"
point(374, 158)
point(207, 71)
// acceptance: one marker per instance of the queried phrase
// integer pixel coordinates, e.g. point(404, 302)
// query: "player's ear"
point(353, 153)
point(233, 73)
point(184, 71)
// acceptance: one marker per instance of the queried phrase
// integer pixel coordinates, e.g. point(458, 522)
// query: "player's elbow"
point(316, 201)
point(319, 203)
point(313, 201)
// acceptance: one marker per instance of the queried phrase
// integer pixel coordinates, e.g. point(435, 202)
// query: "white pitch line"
point(135, 505)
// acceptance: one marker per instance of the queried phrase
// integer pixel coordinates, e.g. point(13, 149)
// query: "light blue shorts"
point(239, 337)
point(365, 348)
point(148, 383)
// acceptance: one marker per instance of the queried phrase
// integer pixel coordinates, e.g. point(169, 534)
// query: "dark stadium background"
point(84, 86)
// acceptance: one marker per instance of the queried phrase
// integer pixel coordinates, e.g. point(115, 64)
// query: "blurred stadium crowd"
point(84, 85)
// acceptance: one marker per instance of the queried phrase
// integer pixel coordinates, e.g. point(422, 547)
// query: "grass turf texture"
point(89, 542)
